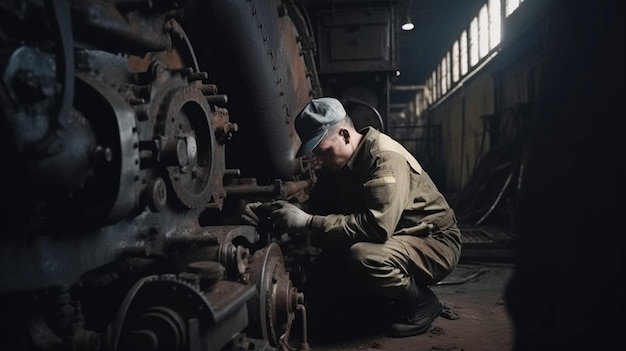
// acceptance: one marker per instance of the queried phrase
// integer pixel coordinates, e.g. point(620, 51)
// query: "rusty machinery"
point(133, 133)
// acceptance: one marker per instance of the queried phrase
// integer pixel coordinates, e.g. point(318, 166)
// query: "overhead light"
point(408, 25)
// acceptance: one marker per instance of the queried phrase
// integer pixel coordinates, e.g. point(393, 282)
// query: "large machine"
point(133, 133)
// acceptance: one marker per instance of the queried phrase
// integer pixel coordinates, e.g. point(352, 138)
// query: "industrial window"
point(449, 70)
point(483, 32)
point(445, 73)
point(473, 42)
point(429, 91)
point(433, 92)
point(435, 95)
point(442, 87)
point(439, 82)
point(463, 53)
point(495, 23)
point(476, 44)
point(455, 62)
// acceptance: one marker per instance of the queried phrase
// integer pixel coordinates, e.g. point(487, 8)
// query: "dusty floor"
point(475, 292)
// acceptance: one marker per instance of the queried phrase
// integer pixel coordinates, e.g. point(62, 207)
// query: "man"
point(376, 209)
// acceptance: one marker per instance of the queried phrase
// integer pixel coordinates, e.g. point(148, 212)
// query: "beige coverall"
point(390, 214)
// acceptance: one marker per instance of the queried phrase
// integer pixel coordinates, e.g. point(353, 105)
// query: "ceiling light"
point(408, 25)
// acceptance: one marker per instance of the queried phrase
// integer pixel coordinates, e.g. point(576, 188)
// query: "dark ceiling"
point(437, 24)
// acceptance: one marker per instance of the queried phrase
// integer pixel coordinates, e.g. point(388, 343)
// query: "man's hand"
point(289, 217)
point(250, 214)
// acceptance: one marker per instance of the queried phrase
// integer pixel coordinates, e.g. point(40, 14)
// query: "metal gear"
point(169, 313)
point(272, 314)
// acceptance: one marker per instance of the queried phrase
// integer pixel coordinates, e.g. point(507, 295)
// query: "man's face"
point(333, 152)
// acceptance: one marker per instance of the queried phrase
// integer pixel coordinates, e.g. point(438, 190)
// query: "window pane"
point(463, 52)
point(483, 32)
point(455, 61)
point(438, 81)
point(449, 69)
point(495, 23)
point(473, 42)
point(429, 90)
point(433, 91)
point(444, 76)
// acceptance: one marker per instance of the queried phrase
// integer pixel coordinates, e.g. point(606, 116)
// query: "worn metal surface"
point(133, 133)
point(122, 227)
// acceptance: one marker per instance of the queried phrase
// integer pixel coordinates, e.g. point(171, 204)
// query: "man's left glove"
point(289, 217)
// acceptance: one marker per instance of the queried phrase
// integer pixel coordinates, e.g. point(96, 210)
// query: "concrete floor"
point(475, 292)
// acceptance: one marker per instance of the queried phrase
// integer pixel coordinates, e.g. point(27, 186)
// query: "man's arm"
point(386, 191)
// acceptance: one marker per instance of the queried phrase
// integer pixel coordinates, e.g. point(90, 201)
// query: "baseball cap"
point(314, 121)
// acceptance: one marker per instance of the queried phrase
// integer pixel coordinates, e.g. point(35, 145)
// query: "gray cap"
point(314, 121)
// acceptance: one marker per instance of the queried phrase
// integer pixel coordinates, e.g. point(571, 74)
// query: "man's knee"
point(371, 265)
point(368, 258)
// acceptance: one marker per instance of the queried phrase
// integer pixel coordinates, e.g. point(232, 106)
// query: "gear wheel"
point(272, 313)
point(187, 117)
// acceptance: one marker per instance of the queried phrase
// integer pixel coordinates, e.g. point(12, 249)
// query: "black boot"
point(414, 312)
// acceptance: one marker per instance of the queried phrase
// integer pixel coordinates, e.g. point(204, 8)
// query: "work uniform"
point(384, 208)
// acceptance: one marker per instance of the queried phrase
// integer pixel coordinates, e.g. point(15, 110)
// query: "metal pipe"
point(279, 188)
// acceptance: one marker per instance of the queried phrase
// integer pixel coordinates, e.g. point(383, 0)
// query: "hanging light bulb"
point(408, 25)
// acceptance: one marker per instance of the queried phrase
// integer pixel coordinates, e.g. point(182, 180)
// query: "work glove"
point(289, 217)
point(250, 214)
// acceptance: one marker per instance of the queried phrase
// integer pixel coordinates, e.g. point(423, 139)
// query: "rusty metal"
point(253, 31)
point(279, 189)
point(274, 311)
point(167, 313)
point(133, 132)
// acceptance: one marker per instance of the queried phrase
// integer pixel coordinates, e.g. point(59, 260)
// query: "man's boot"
point(414, 312)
